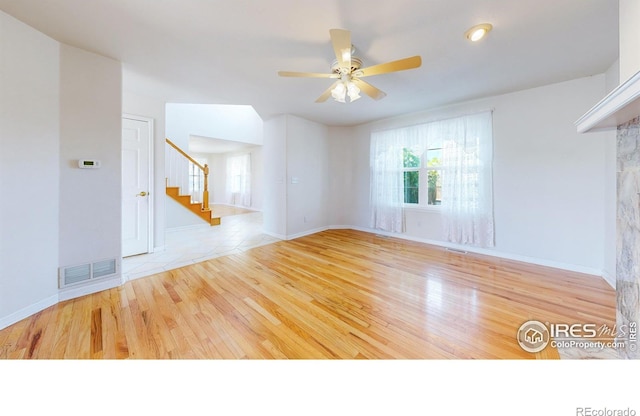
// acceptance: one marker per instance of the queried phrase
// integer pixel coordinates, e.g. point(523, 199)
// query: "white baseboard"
point(116, 281)
point(297, 235)
point(460, 247)
point(275, 235)
point(487, 252)
point(609, 278)
point(62, 295)
point(99, 286)
point(28, 311)
point(305, 233)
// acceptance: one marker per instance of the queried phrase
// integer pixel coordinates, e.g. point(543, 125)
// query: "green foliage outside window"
point(412, 177)
point(410, 159)
point(433, 182)
point(411, 187)
point(412, 164)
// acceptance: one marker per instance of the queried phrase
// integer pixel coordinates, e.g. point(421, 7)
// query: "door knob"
point(143, 193)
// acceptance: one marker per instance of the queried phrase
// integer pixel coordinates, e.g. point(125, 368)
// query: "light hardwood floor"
point(338, 294)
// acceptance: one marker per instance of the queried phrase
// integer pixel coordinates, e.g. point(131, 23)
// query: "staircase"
point(184, 171)
point(195, 207)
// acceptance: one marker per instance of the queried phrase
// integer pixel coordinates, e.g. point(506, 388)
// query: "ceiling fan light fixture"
point(339, 92)
point(478, 32)
point(353, 91)
point(345, 89)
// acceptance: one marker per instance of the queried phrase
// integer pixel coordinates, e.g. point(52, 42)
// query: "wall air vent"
point(84, 273)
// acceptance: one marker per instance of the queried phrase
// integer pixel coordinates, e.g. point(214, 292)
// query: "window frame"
point(423, 184)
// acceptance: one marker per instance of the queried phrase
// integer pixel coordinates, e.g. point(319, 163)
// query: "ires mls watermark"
point(535, 336)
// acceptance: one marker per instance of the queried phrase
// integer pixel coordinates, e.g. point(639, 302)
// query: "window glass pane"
point(411, 187)
point(434, 187)
point(411, 158)
point(434, 157)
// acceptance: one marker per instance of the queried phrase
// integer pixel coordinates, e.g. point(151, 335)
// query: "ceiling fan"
point(347, 69)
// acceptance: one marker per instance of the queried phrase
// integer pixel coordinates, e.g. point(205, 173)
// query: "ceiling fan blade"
point(341, 40)
point(307, 74)
point(327, 93)
point(394, 66)
point(369, 89)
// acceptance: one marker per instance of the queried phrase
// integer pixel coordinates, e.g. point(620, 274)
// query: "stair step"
point(195, 207)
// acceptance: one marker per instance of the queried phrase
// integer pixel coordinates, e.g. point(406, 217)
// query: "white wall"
point(218, 176)
point(274, 153)
point(59, 104)
point(218, 180)
point(138, 105)
point(629, 13)
point(90, 128)
point(180, 217)
point(29, 170)
point(610, 196)
point(257, 178)
point(296, 176)
point(550, 183)
point(307, 176)
point(342, 180)
point(238, 123)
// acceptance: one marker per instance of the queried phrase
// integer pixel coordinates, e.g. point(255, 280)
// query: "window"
point(434, 176)
point(445, 164)
point(196, 180)
point(412, 164)
point(423, 171)
point(239, 180)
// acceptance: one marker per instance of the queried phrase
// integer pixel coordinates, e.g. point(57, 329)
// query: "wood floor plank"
point(338, 294)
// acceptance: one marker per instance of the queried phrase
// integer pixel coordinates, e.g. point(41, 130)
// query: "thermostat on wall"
point(88, 164)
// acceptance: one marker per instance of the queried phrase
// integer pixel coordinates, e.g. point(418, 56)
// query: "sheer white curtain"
point(467, 190)
point(387, 176)
point(387, 181)
point(467, 182)
point(239, 180)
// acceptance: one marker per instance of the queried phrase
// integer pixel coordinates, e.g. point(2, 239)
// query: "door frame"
point(150, 224)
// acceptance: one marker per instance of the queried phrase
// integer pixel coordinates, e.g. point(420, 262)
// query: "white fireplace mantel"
point(619, 106)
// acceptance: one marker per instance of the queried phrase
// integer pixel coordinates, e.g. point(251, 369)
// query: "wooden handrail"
point(182, 152)
point(205, 171)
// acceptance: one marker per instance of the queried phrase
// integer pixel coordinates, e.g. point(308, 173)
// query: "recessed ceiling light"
point(478, 32)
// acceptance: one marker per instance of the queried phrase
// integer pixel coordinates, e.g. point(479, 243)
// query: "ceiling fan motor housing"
point(356, 63)
point(348, 69)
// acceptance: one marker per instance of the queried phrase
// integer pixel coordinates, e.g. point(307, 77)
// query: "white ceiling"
point(229, 52)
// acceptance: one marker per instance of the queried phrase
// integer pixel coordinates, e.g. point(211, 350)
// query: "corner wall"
point(29, 170)
point(58, 104)
point(274, 152)
point(296, 179)
point(90, 128)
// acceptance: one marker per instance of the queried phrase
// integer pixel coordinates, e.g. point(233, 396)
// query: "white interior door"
point(136, 185)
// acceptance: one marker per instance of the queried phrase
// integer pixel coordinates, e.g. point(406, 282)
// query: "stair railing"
point(185, 172)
